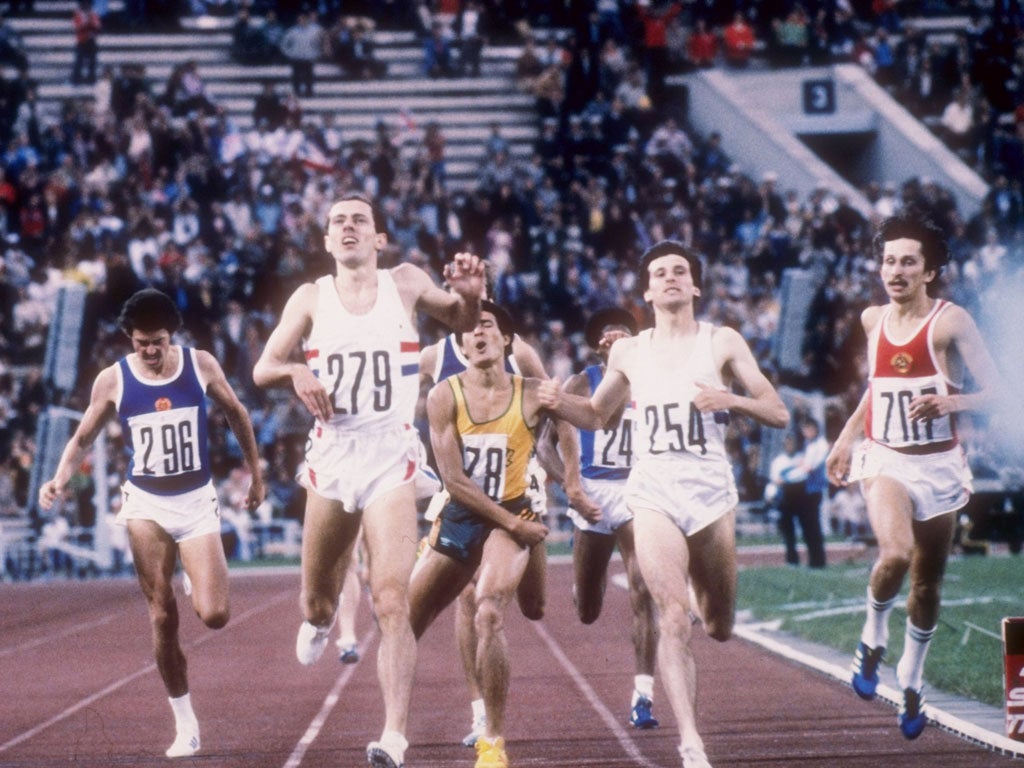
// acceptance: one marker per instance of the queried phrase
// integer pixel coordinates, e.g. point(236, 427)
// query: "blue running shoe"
point(865, 670)
point(641, 716)
point(349, 655)
point(912, 719)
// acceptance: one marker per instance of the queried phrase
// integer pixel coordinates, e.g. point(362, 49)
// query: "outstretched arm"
point(101, 408)
point(276, 366)
point(220, 391)
point(601, 409)
point(458, 308)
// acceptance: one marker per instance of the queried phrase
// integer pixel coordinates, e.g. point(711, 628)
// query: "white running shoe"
point(185, 744)
point(479, 729)
point(694, 757)
point(186, 584)
point(311, 642)
point(389, 752)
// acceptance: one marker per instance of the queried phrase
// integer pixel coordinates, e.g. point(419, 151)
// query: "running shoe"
point(641, 716)
point(185, 745)
point(694, 757)
point(379, 756)
point(479, 729)
point(349, 655)
point(491, 754)
point(865, 670)
point(911, 718)
point(311, 642)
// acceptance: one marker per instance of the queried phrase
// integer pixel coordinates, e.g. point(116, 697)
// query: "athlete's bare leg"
point(501, 569)
point(156, 557)
point(389, 533)
point(645, 633)
point(532, 590)
point(203, 559)
point(667, 560)
point(328, 539)
point(591, 553)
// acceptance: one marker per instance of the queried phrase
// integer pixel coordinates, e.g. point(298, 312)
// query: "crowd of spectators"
point(142, 186)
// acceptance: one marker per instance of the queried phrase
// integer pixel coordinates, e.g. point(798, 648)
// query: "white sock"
point(395, 743)
point(643, 685)
point(876, 627)
point(184, 717)
point(910, 670)
point(479, 711)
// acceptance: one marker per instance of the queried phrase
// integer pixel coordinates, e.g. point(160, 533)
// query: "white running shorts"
point(610, 496)
point(355, 468)
point(691, 492)
point(183, 515)
point(938, 483)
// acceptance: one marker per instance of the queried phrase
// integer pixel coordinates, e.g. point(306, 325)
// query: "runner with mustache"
point(912, 468)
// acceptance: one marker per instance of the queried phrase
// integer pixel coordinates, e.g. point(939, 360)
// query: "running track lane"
point(80, 688)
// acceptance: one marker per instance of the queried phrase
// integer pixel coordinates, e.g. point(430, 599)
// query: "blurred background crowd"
point(141, 185)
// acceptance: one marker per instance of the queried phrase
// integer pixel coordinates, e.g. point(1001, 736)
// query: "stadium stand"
point(555, 163)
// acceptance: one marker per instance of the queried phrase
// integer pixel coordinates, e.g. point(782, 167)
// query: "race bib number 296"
point(166, 442)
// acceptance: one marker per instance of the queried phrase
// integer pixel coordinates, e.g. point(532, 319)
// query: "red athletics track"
point(79, 688)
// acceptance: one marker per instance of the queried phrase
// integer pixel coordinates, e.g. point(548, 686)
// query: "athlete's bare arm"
point(734, 358)
point(568, 441)
point(220, 391)
point(101, 409)
point(599, 410)
point(428, 361)
point(529, 362)
point(459, 307)
point(958, 340)
point(444, 438)
point(837, 464)
point(277, 367)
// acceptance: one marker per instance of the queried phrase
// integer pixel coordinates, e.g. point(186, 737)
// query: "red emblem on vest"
point(902, 362)
point(162, 404)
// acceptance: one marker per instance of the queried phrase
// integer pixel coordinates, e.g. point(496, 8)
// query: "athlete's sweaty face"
point(486, 342)
point(903, 269)
point(670, 278)
point(351, 230)
point(151, 347)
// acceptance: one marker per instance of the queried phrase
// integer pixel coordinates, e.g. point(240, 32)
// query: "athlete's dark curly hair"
point(666, 248)
point(914, 227)
point(149, 310)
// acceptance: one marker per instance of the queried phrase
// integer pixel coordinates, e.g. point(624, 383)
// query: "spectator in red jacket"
point(701, 46)
point(655, 23)
point(739, 41)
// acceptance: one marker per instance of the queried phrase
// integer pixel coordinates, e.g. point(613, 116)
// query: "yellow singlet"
point(495, 453)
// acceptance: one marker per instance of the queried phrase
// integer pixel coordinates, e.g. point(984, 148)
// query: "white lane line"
point(295, 759)
point(94, 697)
point(612, 723)
point(945, 720)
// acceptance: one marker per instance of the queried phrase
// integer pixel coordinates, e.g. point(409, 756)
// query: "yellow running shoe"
point(491, 754)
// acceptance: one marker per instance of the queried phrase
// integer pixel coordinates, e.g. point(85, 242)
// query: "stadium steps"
point(405, 99)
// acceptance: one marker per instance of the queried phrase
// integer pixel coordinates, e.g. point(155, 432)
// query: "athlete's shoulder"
point(870, 316)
